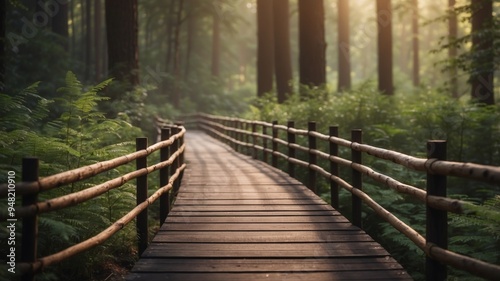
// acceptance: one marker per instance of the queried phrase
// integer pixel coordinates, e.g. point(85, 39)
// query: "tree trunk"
point(265, 47)
point(3, 17)
point(88, 40)
point(344, 55)
point(170, 43)
point(60, 24)
point(191, 28)
point(97, 39)
point(312, 59)
point(282, 52)
point(215, 45)
point(122, 34)
point(73, 28)
point(482, 71)
point(177, 72)
point(384, 42)
point(416, 49)
point(452, 50)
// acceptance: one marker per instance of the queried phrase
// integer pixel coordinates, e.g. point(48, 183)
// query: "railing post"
point(247, 138)
point(176, 164)
point(437, 220)
point(274, 157)
point(264, 143)
point(357, 179)
point(334, 168)
point(291, 150)
point(311, 127)
point(164, 176)
point(254, 140)
point(142, 195)
point(29, 237)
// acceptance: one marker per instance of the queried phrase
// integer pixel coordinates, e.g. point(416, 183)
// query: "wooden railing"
point(170, 170)
point(253, 137)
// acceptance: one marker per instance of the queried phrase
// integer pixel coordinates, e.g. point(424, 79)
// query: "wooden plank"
point(265, 250)
point(289, 276)
point(240, 195)
point(176, 212)
point(261, 237)
point(343, 226)
point(266, 265)
point(251, 208)
point(233, 202)
point(259, 219)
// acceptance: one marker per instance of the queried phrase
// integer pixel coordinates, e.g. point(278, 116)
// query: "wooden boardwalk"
point(237, 219)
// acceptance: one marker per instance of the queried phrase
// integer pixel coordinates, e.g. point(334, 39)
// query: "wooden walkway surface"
point(238, 219)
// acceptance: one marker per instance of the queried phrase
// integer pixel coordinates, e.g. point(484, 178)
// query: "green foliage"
point(80, 135)
point(404, 123)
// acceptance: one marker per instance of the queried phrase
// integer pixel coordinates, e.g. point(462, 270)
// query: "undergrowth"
point(79, 136)
point(404, 123)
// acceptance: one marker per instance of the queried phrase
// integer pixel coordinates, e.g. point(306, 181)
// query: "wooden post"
point(247, 138)
point(254, 140)
point(357, 179)
point(142, 195)
point(264, 144)
point(176, 164)
point(311, 127)
point(29, 237)
point(437, 220)
point(235, 125)
point(334, 169)
point(275, 145)
point(291, 150)
point(164, 176)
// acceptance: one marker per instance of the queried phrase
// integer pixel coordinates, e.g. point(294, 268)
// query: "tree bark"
point(416, 49)
point(282, 51)
point(97, 39)
point(344, 56)
point(122, 34)
point(88, 40)
point(176, 94)
point(170, 43)
point(452, 50)
point(265, 47)
point(482, 71)
point(60, 25)
point(384, 42)
point(191, 29)
point(312, 57)
point(216, 45)
point(3, 17)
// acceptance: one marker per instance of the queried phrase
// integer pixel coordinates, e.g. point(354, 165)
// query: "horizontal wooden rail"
point(171, 164)
point(220, 127)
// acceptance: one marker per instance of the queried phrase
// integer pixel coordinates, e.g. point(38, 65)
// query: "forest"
point(81, 79)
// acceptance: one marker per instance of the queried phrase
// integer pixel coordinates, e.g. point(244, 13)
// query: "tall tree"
point(216, 23)
point(60, 24)
point(176, 94)
point(265, 47)
point(312, 57)
point(282, 52)
point(3, 17)
point(384, 42)
point(88, 39)
point(122, 32)
point(452, 50)
point(344, 55)
point(482, 71)
point(97, 39)
point(415, 43)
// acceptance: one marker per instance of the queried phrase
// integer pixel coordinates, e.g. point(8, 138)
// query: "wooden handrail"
point(31, 186)
point(215, 126)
